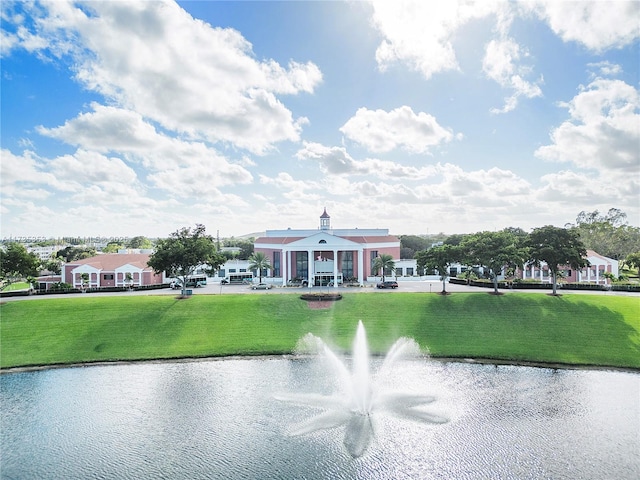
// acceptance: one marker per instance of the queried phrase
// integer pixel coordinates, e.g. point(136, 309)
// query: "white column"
point(283, 266)
point(360, 266)
point(335, 268)
point(310, 268)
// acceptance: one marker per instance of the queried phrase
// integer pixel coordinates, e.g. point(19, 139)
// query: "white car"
point(261, 286)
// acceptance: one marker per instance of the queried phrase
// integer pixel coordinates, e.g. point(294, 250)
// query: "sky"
point(125, 118)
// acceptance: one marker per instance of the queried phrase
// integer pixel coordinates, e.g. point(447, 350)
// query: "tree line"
point(608, 234)
point(507, 250)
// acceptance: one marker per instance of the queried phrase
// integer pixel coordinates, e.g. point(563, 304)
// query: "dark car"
point(390, 284)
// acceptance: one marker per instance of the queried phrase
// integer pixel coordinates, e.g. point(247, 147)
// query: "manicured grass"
point(571, 329)
point(12, 287)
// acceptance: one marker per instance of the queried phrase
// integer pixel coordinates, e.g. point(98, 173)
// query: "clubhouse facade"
point(325, 256)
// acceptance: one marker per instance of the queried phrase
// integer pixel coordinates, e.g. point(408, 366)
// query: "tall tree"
point(455, 239)
point(53, 265)
point(259, 261)
point(70, 254)
point(112, 247)
point(385, 263)
point(493, 251)
point(17, 262)
point(139, 242)
point(410, 244)
point(633, 260)
point(438, 258)
point(609, 234)
point(244, 244)
point(557, 247)
point(185, 250)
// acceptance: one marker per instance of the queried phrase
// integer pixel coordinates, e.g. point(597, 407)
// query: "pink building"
point(325, 255)
point(111, 270)
point(598, 265)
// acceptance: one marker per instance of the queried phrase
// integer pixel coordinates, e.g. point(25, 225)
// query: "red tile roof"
point(108, 262)
point(357, 239)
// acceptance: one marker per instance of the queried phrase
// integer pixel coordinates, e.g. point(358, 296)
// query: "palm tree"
point(85, 280)
point(384, 262)
point(259, 262)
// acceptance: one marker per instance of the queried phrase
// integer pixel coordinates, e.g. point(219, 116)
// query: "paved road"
point(404, 286)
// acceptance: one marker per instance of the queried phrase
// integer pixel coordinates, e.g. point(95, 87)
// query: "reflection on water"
point(220, 419)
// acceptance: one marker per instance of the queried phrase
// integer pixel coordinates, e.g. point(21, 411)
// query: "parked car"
point(388, 284)
point(261, 286)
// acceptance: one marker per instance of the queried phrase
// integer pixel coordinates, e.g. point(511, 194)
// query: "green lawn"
point(12, 287)
point(571, 329)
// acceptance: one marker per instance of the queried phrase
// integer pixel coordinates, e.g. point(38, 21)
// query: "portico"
point(325, 256)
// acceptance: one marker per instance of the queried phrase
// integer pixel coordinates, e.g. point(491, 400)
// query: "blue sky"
point(139, 118)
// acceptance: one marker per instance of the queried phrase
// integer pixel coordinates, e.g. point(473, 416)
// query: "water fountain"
point(361, 395)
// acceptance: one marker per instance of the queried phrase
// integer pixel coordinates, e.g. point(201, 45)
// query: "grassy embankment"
point(571, 329)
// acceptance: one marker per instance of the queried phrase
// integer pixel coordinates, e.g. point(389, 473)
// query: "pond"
point(221, 419)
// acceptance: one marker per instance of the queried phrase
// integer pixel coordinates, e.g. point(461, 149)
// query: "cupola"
point(325, 220)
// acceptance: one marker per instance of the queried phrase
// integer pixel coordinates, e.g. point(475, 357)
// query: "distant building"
point(593, 273)
point(44, 253)
point(111, 270)
point(325, 255)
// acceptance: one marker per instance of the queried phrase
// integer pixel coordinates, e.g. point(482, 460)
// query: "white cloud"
point(603, 131)
point(605, 69)
point(598, 25)
point(106, 129)
point(336, 161)
point(420, 33)
point(191, 78)
point(21, 172)
point(181, 167)
point(90, 170)
point(500, 63)
point(380, 131)
point(109, 178)
point(292, 189)
point(573, 187)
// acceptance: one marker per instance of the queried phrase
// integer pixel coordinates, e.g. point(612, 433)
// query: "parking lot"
point(420, 286)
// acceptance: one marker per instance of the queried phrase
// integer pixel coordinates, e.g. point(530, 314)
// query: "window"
point(302, 264)
point(399, 272)
point(409, 271)
point(276, 264)
point(373, 256)
point(322, 241)
point(347, 264)
point(107, 276)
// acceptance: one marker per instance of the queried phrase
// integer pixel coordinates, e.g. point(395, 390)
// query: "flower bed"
point(321, 297)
